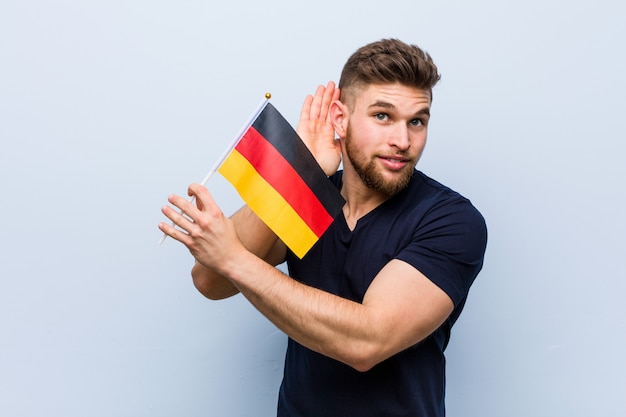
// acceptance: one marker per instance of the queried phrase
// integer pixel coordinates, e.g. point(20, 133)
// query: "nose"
point(399, 136)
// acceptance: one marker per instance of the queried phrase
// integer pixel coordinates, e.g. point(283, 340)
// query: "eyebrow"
point(387, 105)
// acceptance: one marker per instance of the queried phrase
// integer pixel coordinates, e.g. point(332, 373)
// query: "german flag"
point(277, 176)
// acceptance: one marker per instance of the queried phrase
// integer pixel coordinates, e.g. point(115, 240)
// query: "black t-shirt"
point(432, 228)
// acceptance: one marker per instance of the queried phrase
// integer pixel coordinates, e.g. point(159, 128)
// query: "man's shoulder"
point(430, 185)
point(423, 187)
point(432, 198)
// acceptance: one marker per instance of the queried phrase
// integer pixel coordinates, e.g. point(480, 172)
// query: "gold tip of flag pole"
point(268, 95)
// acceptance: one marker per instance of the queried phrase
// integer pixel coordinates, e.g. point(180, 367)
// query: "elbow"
point(364, 357)
point(209, 286)
point(205, 289)
point(364, 366)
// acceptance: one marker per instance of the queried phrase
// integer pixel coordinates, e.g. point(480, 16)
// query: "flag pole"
point(229, 149)
point(237, 138)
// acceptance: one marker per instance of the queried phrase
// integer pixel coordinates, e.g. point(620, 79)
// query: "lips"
point(394, 163)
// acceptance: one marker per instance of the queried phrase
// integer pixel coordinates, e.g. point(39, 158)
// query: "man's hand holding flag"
point(276, 175)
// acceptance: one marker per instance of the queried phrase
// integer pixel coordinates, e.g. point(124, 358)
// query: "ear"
point(339, 115)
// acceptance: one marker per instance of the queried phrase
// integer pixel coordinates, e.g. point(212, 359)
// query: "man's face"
point(386, 134)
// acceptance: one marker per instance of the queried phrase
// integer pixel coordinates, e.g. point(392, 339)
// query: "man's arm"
point(315, 128)
point(400, 308)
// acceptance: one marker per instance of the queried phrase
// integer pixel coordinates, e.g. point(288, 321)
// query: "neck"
point(360, 199)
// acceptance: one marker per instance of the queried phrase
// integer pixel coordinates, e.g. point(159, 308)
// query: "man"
point(369, 309)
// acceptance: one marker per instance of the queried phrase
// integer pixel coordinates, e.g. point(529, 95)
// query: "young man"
point(369, 309)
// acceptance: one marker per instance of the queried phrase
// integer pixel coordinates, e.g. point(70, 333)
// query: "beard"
point(371, 174)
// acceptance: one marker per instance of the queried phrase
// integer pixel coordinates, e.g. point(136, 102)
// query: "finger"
point(183, 205)
point(201, 193)
point(336, 97)
point(306, 108)
point(177, 218)
point(336, 94)
point(327, 99)
point(317, 102)
point(174, 233)
point(204, 200)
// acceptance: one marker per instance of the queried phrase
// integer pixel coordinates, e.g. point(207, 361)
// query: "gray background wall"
point(108, 107)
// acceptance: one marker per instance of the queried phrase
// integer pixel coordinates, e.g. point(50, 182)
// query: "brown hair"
point(387, 61)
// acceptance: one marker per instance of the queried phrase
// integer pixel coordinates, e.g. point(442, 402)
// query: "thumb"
point(203, 197)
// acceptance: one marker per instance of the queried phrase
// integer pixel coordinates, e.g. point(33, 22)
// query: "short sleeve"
point(448, 247)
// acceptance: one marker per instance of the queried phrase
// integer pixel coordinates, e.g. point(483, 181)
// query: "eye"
point(416, 122)
point(381, 116)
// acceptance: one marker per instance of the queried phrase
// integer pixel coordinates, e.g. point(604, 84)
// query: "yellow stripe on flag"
point(268, 204)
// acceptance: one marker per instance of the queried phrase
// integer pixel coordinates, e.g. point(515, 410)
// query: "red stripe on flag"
point(275, 169)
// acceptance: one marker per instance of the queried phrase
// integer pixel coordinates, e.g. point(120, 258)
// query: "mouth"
point(394, 163)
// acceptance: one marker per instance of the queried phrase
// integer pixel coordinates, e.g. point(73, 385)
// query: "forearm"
point(328, 324)
point(400, 308)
